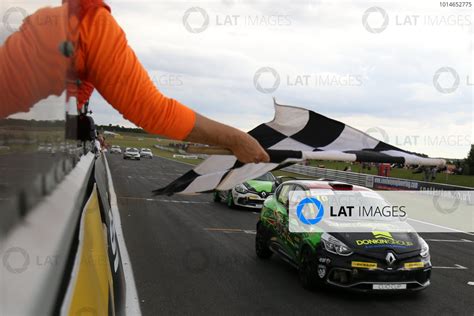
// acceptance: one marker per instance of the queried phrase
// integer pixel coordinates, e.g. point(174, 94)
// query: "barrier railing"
point(370, 181)
point(36, 251)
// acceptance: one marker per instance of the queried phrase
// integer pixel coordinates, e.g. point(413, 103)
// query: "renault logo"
point(390, 258)
point(264, 194)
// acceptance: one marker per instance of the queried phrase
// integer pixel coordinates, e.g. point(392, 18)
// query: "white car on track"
point(115, 149)
point(146, 153)
point(131, 153)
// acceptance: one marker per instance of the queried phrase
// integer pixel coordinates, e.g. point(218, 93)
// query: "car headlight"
point(334, 245)
point(425, 249)
point(241, 188)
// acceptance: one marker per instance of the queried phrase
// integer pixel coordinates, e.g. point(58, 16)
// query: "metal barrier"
point(336, 175)
point(371, 181)
point(35, 252)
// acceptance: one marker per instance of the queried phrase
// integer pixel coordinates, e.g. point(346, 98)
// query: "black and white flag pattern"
point(295, 134)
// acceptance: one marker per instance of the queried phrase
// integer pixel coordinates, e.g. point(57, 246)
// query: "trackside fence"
point(371, 181)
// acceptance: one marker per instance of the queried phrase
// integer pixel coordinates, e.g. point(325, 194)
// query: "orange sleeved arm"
point(105, 60)
point(31, 65)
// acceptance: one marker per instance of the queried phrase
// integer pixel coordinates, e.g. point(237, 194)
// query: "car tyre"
point(307, 270)
point(262, 240)
point(216, 197)
point(230, 200)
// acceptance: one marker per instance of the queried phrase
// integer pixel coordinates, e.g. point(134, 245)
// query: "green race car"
point(367, 261)
point(249, 194)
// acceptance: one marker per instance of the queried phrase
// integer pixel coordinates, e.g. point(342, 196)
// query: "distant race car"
point(115, 149)
point(371, 261)
point(131, 153)
point(248, 194)
point(146, 153)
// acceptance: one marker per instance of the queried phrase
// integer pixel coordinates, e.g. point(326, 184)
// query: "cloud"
point(312, 39)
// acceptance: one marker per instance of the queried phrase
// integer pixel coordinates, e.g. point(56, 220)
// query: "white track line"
point(447, 228)
point(450, 240)
point(132, 306)
point(456, 267)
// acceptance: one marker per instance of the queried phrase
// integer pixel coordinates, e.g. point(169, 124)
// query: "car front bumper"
point(132, 156)
point(249, 199)
point(349, 273)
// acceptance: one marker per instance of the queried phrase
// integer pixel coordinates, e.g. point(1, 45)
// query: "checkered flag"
point(294, 135)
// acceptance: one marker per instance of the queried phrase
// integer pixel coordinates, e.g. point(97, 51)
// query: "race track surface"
point(193, 256)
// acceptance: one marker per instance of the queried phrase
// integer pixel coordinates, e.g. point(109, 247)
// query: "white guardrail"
point(336, 175)
point(35, 253)
point(370, 181)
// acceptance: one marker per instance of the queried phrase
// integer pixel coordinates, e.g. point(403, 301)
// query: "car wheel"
point(307, 270)
point(230, 200)
point(216, 196)
point(262, 239)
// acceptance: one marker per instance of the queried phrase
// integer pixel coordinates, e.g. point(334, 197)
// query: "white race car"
point(115, 149)
point(146, 153)
point(131, 153)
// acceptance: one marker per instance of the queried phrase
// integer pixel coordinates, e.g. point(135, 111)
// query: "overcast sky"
point(372, 68)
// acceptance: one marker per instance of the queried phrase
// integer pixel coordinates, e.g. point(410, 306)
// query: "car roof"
point(328, 185)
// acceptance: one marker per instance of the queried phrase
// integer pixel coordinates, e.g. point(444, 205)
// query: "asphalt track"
point(193, 256)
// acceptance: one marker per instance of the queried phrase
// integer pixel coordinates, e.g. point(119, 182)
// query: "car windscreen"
point(266, 177)
point(358, 200)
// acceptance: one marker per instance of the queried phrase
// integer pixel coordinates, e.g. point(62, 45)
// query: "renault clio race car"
point(366, 261)
point(249, 194)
